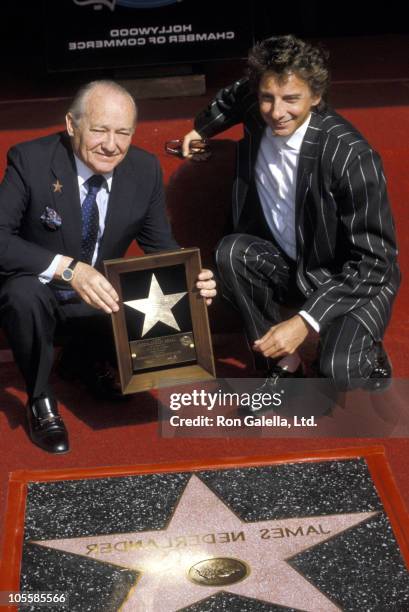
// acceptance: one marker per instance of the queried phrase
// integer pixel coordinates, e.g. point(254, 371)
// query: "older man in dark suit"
point(312, 221)
point(67, 202)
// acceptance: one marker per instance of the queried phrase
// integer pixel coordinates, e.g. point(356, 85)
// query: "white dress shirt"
point(83, 174)
point(276, 182)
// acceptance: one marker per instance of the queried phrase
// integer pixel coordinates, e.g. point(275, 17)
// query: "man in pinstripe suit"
point(312, 222)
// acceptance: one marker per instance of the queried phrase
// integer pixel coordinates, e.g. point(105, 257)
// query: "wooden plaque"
point(161, 330)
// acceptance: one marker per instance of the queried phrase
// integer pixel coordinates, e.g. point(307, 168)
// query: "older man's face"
point(102, 136)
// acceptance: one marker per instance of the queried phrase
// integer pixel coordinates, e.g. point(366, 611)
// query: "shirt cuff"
point(310, 320)
point(48, 274)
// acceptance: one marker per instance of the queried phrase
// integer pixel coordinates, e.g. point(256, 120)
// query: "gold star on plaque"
point(57, 186)
point(206, 549)
point(157, 307)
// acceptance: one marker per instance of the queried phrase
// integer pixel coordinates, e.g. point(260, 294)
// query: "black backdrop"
point(112, 35)
point(22, 25)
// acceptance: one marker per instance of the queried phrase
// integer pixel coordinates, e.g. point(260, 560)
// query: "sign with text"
point(86, 34)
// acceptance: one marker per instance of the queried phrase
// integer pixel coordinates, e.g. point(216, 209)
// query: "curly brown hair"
point(287, 54)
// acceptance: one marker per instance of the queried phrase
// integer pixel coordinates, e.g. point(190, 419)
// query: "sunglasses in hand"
point(199, 149)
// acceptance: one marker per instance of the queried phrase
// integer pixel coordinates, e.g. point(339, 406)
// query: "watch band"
point(72, 265)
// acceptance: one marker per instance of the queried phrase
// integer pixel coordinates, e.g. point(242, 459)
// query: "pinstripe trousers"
point(256, 277)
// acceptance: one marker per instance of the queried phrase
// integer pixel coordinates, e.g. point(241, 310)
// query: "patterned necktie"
point(90, 218)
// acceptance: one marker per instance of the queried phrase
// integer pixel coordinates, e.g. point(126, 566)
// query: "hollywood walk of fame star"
point(57, 186)
point(203, 527)
point(157, 307)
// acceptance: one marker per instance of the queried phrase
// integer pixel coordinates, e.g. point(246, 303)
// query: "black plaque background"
point(360, 569)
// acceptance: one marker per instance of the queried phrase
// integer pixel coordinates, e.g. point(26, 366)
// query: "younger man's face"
point(285, 103)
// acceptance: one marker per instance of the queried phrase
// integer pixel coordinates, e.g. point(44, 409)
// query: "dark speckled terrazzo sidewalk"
point(359, 570)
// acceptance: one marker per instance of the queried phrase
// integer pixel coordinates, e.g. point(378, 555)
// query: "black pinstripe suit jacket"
point(346, 247)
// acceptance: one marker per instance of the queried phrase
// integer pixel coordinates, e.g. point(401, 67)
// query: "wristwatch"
point(68, 272)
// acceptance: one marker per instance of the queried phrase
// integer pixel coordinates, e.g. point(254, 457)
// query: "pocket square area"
point(51, 219)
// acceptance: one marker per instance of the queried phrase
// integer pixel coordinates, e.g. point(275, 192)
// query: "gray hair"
point(77, 108)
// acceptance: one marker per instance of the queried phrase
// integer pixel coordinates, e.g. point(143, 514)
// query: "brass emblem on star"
point(218, 572)
point(187, 341)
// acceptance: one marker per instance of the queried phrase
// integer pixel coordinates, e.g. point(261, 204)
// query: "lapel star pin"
point(57, 186)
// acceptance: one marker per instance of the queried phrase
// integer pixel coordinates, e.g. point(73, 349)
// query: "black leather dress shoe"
point(276, 381)
point(46, 427)
point(381, 376)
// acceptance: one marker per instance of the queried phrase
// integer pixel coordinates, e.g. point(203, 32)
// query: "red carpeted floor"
point(198, 199)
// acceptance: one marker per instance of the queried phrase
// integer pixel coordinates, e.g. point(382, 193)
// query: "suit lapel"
point(256, 130)
point(246, 162)
point(309, 154)
point(66, 197)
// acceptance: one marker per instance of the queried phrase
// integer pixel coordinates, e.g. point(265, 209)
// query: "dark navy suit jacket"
point(136, 208)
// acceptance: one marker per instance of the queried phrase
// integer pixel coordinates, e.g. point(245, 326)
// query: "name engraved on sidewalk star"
point(190, 546)
point(182, 540)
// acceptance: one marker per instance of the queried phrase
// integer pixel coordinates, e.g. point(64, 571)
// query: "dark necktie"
point(90, 218)
point(89, 235)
